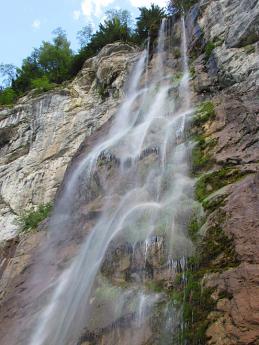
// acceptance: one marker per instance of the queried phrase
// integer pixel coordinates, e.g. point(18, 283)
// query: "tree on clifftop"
point(149, 21)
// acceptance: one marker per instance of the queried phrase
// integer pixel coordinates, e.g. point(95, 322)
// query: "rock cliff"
point(42, 134)
point(224, 47)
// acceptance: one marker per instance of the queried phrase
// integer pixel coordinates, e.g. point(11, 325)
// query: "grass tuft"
point(30, 220)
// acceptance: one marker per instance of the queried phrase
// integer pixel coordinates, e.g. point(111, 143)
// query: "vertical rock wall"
point(225, 68)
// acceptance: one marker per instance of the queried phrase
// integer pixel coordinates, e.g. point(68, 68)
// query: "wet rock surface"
point(233, 89)
point(40, 135)
point(228, 77)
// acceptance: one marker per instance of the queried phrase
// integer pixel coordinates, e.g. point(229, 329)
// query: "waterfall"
point(139, 203)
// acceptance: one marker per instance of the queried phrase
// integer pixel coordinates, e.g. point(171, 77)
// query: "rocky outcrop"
point(40, 135)
point(225, 72)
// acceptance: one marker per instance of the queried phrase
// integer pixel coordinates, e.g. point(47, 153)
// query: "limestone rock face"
point(236, 21)
point(227, 75)
point(232, 27)
point(40, 135)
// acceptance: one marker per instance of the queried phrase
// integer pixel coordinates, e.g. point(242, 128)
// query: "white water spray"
point(143, 126)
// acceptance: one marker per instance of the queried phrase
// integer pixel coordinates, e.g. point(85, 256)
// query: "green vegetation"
point(215, 251)
point(29, 220)
point(176, 53)
point(54, 62)
point(194, 227)
point(249, 49)
point(155, 286)
point(7, 96)
point(42, 84)
point(192, 72)
point(148, 23)
point(201, 154)
point(219, 253)
point(208, 49)
point(209, 183)
point(205, 112)
point(180, 5)
point(212, 203)
point(102, 90)
point(107, 292)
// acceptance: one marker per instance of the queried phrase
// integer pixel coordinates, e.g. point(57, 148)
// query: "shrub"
point(7, 96)
point(42, 84)
point(208, 49)
point(249, 49)
point(29, 220)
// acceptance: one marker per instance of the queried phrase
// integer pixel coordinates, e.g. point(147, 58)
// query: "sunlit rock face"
point(40, 135)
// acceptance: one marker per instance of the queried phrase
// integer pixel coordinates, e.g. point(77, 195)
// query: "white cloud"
point(36, 24)
point(94, 7)
point(97, 8)
point(76, 14)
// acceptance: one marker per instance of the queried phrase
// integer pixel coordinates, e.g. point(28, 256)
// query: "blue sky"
point(24, 24)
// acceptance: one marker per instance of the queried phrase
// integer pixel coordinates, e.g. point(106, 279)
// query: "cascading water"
point(145, 202)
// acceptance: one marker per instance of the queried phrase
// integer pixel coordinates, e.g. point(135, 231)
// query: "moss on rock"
point(204, 112)
point(209, 183)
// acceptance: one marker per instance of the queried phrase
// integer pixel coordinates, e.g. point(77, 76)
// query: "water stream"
point(145, 200)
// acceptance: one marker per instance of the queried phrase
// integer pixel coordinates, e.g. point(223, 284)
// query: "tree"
point(7, 96)
point(55, 58)
point(30, 70)
point(124, 16)
point(84, 35)
point(42, 84)
point(115, 28)
point(148, 22)
point(8, 73)
point(175, 6)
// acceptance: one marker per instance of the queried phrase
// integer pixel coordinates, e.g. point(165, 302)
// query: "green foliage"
point(8, 73)
point(176, 53)
point(51, 62)
point(148, 22)
point(196, 304)
point(193, 228)
point(102, 90)
point(209, 183)
point(249, 49)
point(211, 204)
point(123, 16)
point(155, 286)
point(107, 293)
point(55, 58)
point(205, 112)
point(208, 49)
point(29, 220)
point(84, 35)
point(176, 78)
point(54, 62)
point(30, 70)
point(115, 28)
point(175, 6)
point(42, 84)
point(7, 96)
point(201, 154)
point(217, 244)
